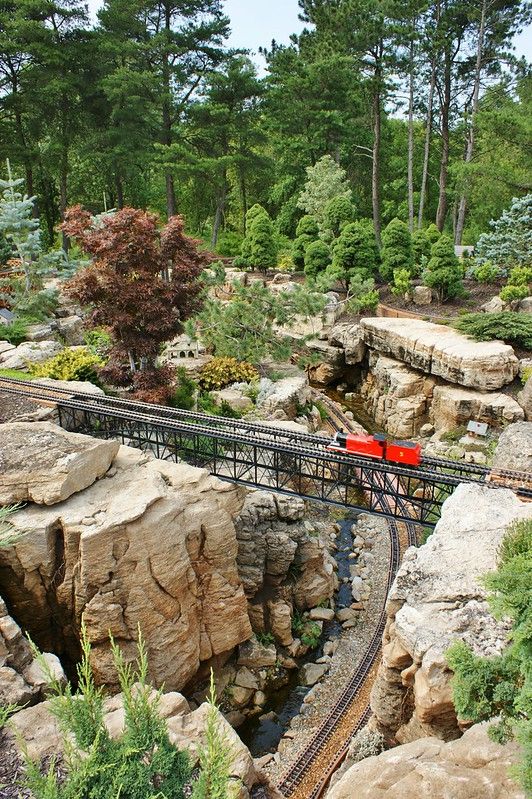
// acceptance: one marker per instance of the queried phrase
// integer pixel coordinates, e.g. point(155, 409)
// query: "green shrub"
point(229, 243)
point(444, 271)
point(421, 246)
point(511, 293)
point(519, 284)
point(396, 252)
point(185, 393)
point(222, 372)
point(98, 342)
point(354, 252)
point(487, 273)
point(317, 258)
point(215, 758)
point(15, 333)
point(362, 295)
point(37, 306)
point(339, 212)
point(263, 243)
point(265, 639)
point(306, 232)
point(401, 282)
point(69, 365)
point(286, 263)
point(499, 686)
point(141, 764)
point(306, 630)
point(509, 326)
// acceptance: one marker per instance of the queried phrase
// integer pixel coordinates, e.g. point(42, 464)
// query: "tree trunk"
point(244, 196)
point(63, 196)
point(375, 172)
point(411, 139)
point(220, 211)
point(426, 154)
point(167, 115)
point(131, 359)
point(444, 162)
point(462, 206)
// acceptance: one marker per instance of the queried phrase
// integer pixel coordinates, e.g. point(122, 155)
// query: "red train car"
point(377, 448)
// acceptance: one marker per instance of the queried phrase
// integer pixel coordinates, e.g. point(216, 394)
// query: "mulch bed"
point(477, 295)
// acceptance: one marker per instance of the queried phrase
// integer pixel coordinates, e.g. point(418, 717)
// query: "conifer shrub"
point(421, 247)
point(339, 212)
point(306, 232)
point(141, 764)
point(396, 252)
point(15, 333)
point(499, 686)
point(509, 326)
point(79, 364)
point(519, 284)
point(362, 295)
point(487, 273)
point(263, 244)
point(444, 271)
point(401, 282)
point(220, 372)
point(317, 258)
point(184, 395)
point(354, 252)
point(432, 234)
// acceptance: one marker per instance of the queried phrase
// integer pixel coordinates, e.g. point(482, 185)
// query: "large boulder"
point(441, 351)
point(396, 396)
point(474, 767)
point(42, 463)
point(289, 394)
point(437, 598)
point(514, 448)
point(152, 546)
point(348, 336)
point(328, 362)
point(29, 352)
point(453, 406)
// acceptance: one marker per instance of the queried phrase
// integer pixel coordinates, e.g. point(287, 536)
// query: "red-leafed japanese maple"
point(142, 284)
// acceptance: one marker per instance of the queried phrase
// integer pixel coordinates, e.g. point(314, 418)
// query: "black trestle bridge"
point(270, 457)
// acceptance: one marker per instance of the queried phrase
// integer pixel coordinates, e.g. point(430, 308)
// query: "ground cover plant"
point(510, 326)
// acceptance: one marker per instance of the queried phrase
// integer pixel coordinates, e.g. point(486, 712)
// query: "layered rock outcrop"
point(471, 768)
point(514, 448)
point(437, 598)
point(149, 544)
point(443, 352)
point(396, 396)
point(453, 407)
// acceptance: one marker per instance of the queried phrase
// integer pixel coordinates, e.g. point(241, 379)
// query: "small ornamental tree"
point(432, 234)
point(444, 272)
point(19, 228)
point(244, 259)
point(421, 247)
point(263, 248)
point(142, 284)
point(339, 212)
point(326, 180)
point(306, 232)
point(317, 258)
point(396, 252)
point(510, 242)
point(355, 252)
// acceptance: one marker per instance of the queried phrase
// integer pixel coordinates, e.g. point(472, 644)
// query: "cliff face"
point(149, 544)
point(436, 599)
point(470, 768)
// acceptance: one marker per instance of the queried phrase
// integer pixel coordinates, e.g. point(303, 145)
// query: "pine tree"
point(317, 258)
point(326, 181)
point(396, 250)
point(20, 227)
point(444, 271)
point(306, 232)
point(355, 252)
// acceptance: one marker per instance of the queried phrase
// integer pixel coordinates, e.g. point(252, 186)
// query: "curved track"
point(309, 775)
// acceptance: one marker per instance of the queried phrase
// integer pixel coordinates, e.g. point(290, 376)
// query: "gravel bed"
point(353, 643)
point(12, 406)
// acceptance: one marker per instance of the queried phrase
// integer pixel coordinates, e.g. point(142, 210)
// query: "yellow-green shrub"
point(222, 372)
point(69, 365)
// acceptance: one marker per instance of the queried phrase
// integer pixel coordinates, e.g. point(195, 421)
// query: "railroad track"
point(351, 711)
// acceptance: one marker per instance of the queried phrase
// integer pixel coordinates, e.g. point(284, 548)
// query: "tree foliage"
point(307, 231)
point(326, 181)
point(396, 251)
point(142, 284)
point(317, 258)
point(510, 241)
point(501, 686)
point(444, 272)
point(354, 252)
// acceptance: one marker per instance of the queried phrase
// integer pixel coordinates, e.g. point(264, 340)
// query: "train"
point(377, 447)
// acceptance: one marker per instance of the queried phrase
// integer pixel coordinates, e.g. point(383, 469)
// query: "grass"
point(16, 374)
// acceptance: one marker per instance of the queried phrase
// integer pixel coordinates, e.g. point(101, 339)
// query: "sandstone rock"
point(422, 295)
point(345, 614)
point(311, 673)
point(71, 330)
point(29, 352)
point(321, 614)
point(43, 331)
point(280, 615)
point(6, 346)
point(495, 305)
point(331, 364)
point(441, 351)
point(472, 767)
point(348, 336)
point(42, 463)
point(396, 396)
point(453, 407)
point(255, 656)
point(524, 399)
point(246, 679)
point(154, 546)
point(525, 305)
point(234, 398)
point(75, 386)
point(289, 394)
point(437, 597)
point(240, 695)
point(514, 449)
